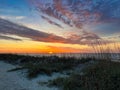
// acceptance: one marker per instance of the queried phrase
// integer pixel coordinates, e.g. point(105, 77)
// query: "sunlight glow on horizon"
point(50, 48)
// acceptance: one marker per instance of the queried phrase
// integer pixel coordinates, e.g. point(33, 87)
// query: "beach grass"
point(43, 65)
point(101, 76)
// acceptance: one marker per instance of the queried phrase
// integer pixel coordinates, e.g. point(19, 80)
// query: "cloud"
point(20, 17)
point(102, 16)
point(9, 38)
point(9, 28)
point(52, 11)
point(80, 12)
point(106, 29)
point(115, 37)
point(12, 17)
point(51, 22)
point(85, 38)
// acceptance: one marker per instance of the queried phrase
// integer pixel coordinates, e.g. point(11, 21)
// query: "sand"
point(17, 80)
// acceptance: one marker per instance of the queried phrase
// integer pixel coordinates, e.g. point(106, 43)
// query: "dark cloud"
point(9, 28)
point(51, 22)
point(9, 38)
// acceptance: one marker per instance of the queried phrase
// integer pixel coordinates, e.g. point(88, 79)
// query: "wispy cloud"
point(10, 28)
point(7, 27)
point(51, 22)
point(12, 17)
point(9, 38)
point(80, 12)
point(8, 10)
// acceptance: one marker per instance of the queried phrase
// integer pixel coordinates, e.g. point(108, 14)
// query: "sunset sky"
point(58, 26)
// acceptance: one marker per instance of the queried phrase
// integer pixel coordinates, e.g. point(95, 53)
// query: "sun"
point(50, 52)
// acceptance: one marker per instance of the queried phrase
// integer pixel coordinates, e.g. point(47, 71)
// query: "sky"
point(58, 26)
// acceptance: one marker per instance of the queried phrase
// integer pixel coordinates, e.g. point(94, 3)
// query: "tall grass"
point(42, 65)
point(105, 50)
point(104, 75)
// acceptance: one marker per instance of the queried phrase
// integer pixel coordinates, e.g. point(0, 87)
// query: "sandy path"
point(15, 80)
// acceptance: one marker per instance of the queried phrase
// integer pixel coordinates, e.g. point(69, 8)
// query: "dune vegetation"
point(82, 73)
point(101, 76)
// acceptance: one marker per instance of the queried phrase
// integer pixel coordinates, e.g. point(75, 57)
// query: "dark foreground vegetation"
point(100, 75)
point(42, 65)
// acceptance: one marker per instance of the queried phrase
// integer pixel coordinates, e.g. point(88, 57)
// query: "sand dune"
point(16, 81)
